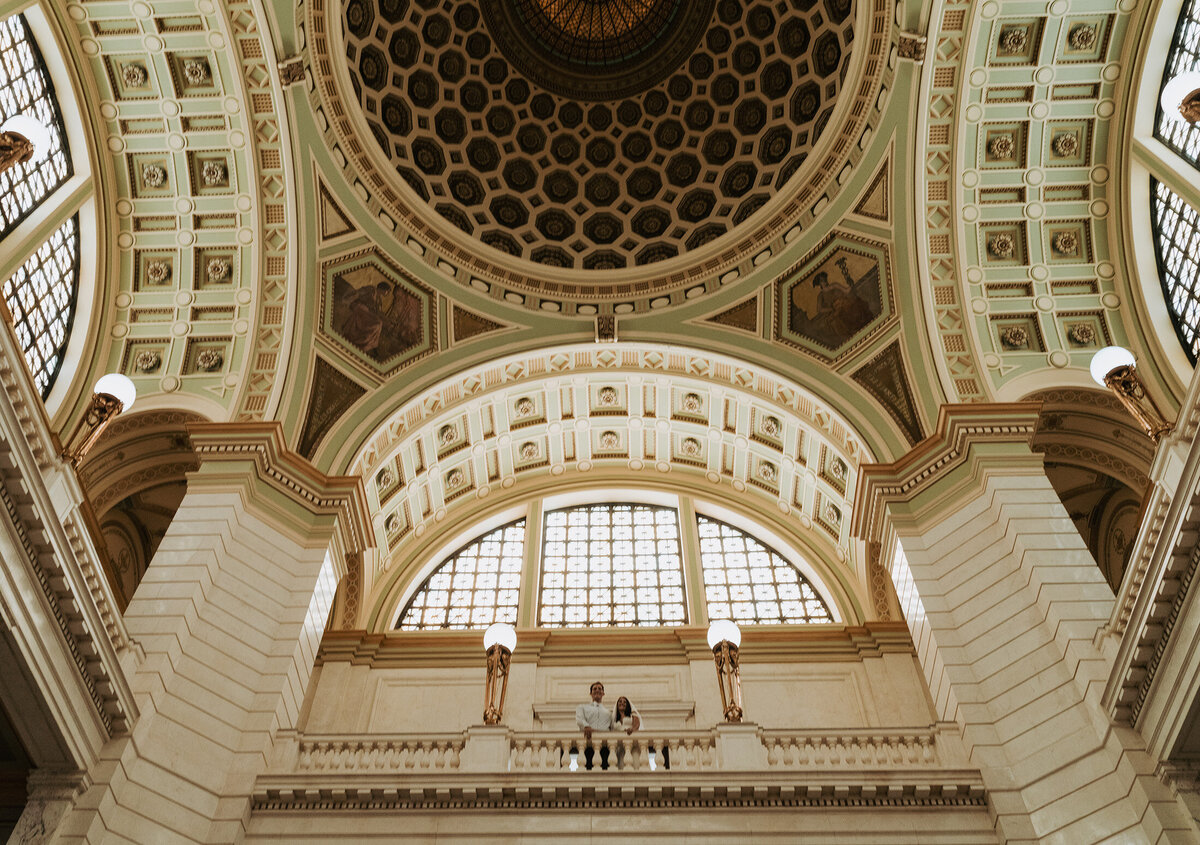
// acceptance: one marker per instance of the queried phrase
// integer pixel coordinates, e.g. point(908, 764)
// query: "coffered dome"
point(605, 133)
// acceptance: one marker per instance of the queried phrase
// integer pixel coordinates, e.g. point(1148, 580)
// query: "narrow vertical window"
point(1176, 245)
point(25, 88)
point(41, 298)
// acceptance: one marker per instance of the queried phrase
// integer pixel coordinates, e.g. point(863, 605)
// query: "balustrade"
point(686, 751)
point(380, 753)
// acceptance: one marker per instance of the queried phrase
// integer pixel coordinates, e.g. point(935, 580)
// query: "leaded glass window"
point(478, 585)
point(1178, 134)
point(41, 298)
point(750, 583)
point(612, 564)
point(25, 88)
point(1177, 245)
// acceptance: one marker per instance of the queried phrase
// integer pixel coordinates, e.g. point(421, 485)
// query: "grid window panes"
point(611, 564)
point(41, 298)
point(1177, 245)
point(477, 586)
point(747, 582)
point(1176, 133)
point(25, 89)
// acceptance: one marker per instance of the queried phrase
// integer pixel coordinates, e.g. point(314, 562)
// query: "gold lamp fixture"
point(113, 394)
point(1181, 97)
point(724, 637)
point(499, 640)
point(1114, 367)
point(23, 137)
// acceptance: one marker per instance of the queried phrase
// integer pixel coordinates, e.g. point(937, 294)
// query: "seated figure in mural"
point(375, 315)
point(594, 716)
point(366, 307)
point(832, 310)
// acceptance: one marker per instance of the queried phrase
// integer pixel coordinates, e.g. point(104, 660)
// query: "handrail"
point(565, 751)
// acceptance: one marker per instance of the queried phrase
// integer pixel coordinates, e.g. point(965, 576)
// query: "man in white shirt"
point(594, 716)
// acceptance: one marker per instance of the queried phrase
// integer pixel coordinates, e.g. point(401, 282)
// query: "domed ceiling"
point(604, 133)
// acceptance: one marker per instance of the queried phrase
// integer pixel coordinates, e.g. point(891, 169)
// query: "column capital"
point(963, 432)
point(226, 450)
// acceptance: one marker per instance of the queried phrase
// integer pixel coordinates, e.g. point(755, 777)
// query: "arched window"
point(25, 88)
point(41, 298)
point(1177, 243)
point(477, 586)
point(611, 565)
point(1184, 56)
point(615, 564)
point(41, 294)
point(749, 582)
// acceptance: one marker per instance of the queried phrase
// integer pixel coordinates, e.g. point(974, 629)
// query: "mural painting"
point(836, 300)
point(375, 315)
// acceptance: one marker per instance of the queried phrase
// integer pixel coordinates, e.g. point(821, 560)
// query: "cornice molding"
point(960, 430)
point(719, 790)
point(262, 443)
point(44, 506)
point(599, 646)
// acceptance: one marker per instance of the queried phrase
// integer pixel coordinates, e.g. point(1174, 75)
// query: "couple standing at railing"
point(594, 716)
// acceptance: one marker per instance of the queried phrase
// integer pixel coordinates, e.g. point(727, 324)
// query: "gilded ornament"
point(1082, 37)
point(447, 434)
point(1065, 243)
point(157, 272)
point(153, 176)
point(1013, 40)
point(1001, 146)
point(1002, 246)
point(1082, 334)
point(525, 407)
point(609, 440)
point(147, 361)
point(1065, 144)
point(196, 71)
point(134, 75)
point(1014, 337)
point(691, 403)
point(214, 174)
point(385, 478)
point(455, 478)
point(209, 360)
point(218, 269)
point(607, 396)
point(771, 426)
point(529, 451)
point(690, 447)
point(767, 472)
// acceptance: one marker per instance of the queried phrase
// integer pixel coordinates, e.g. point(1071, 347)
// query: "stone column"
point(1003, 601)
point(230, 614)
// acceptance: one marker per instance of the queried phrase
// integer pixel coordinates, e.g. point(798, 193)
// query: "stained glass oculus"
point(1177, 245)
point(611, 564)
point(751, 583)
point(1182, 137)
point(41, 298)
point(477, 586)
point(25, 88)
point(596, 49)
